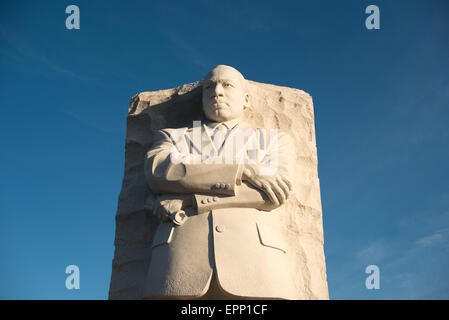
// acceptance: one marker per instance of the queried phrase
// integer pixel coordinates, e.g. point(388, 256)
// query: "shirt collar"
point(230, 124)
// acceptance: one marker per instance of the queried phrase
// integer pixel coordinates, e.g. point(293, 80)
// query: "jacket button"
point(228, 186)
point(215, 198)
point(222, 185)
point(203, 201)
point(209, 200)
point(220, 228)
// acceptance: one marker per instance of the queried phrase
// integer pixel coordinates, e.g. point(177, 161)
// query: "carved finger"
point(278, 191)
point(256, 183)
point(287, 182)
point(270, 193)
point(284, 187)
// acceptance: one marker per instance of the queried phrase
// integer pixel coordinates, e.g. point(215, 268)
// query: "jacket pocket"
point(271, 236)
point(163, 235)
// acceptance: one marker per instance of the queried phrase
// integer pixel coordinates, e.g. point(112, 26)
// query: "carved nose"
point(218, 92)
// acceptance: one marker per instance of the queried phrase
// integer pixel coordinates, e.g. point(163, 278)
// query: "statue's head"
point(224, 94)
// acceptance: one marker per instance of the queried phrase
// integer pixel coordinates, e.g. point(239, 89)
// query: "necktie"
point(219, 135)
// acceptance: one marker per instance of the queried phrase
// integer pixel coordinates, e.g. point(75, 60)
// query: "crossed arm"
point(212, 186)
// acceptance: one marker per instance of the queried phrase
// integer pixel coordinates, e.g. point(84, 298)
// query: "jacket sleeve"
point(279, 160)
point(166, 170)
point(280, 156)
point(246, 197)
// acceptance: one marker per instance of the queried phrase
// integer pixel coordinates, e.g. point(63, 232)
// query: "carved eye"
point(227, 84)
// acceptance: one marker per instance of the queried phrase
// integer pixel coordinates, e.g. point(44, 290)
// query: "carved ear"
point(246, 103)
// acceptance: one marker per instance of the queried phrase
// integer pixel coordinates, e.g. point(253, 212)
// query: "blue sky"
point(381, 102)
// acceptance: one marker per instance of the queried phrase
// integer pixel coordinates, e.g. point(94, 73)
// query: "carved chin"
point(218, 114)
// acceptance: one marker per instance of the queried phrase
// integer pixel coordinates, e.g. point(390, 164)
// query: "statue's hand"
point(276, 187)
point(169, 204)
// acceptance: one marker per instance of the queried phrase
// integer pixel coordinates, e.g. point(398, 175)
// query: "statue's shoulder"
point(174, 131)
point(262, 130)
point(167, 134)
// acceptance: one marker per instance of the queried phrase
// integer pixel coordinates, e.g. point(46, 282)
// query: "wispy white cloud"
point(189, 51)
point(23, 51)
point(373, 253)
point(434, 238)
point(410, 267)
point(84, 121)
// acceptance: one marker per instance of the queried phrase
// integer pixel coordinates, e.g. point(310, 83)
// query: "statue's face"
point(224, 97)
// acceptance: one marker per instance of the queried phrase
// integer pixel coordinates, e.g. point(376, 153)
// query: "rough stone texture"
point(287, 109)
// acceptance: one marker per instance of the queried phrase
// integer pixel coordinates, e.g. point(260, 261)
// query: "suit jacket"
point(230, 229)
